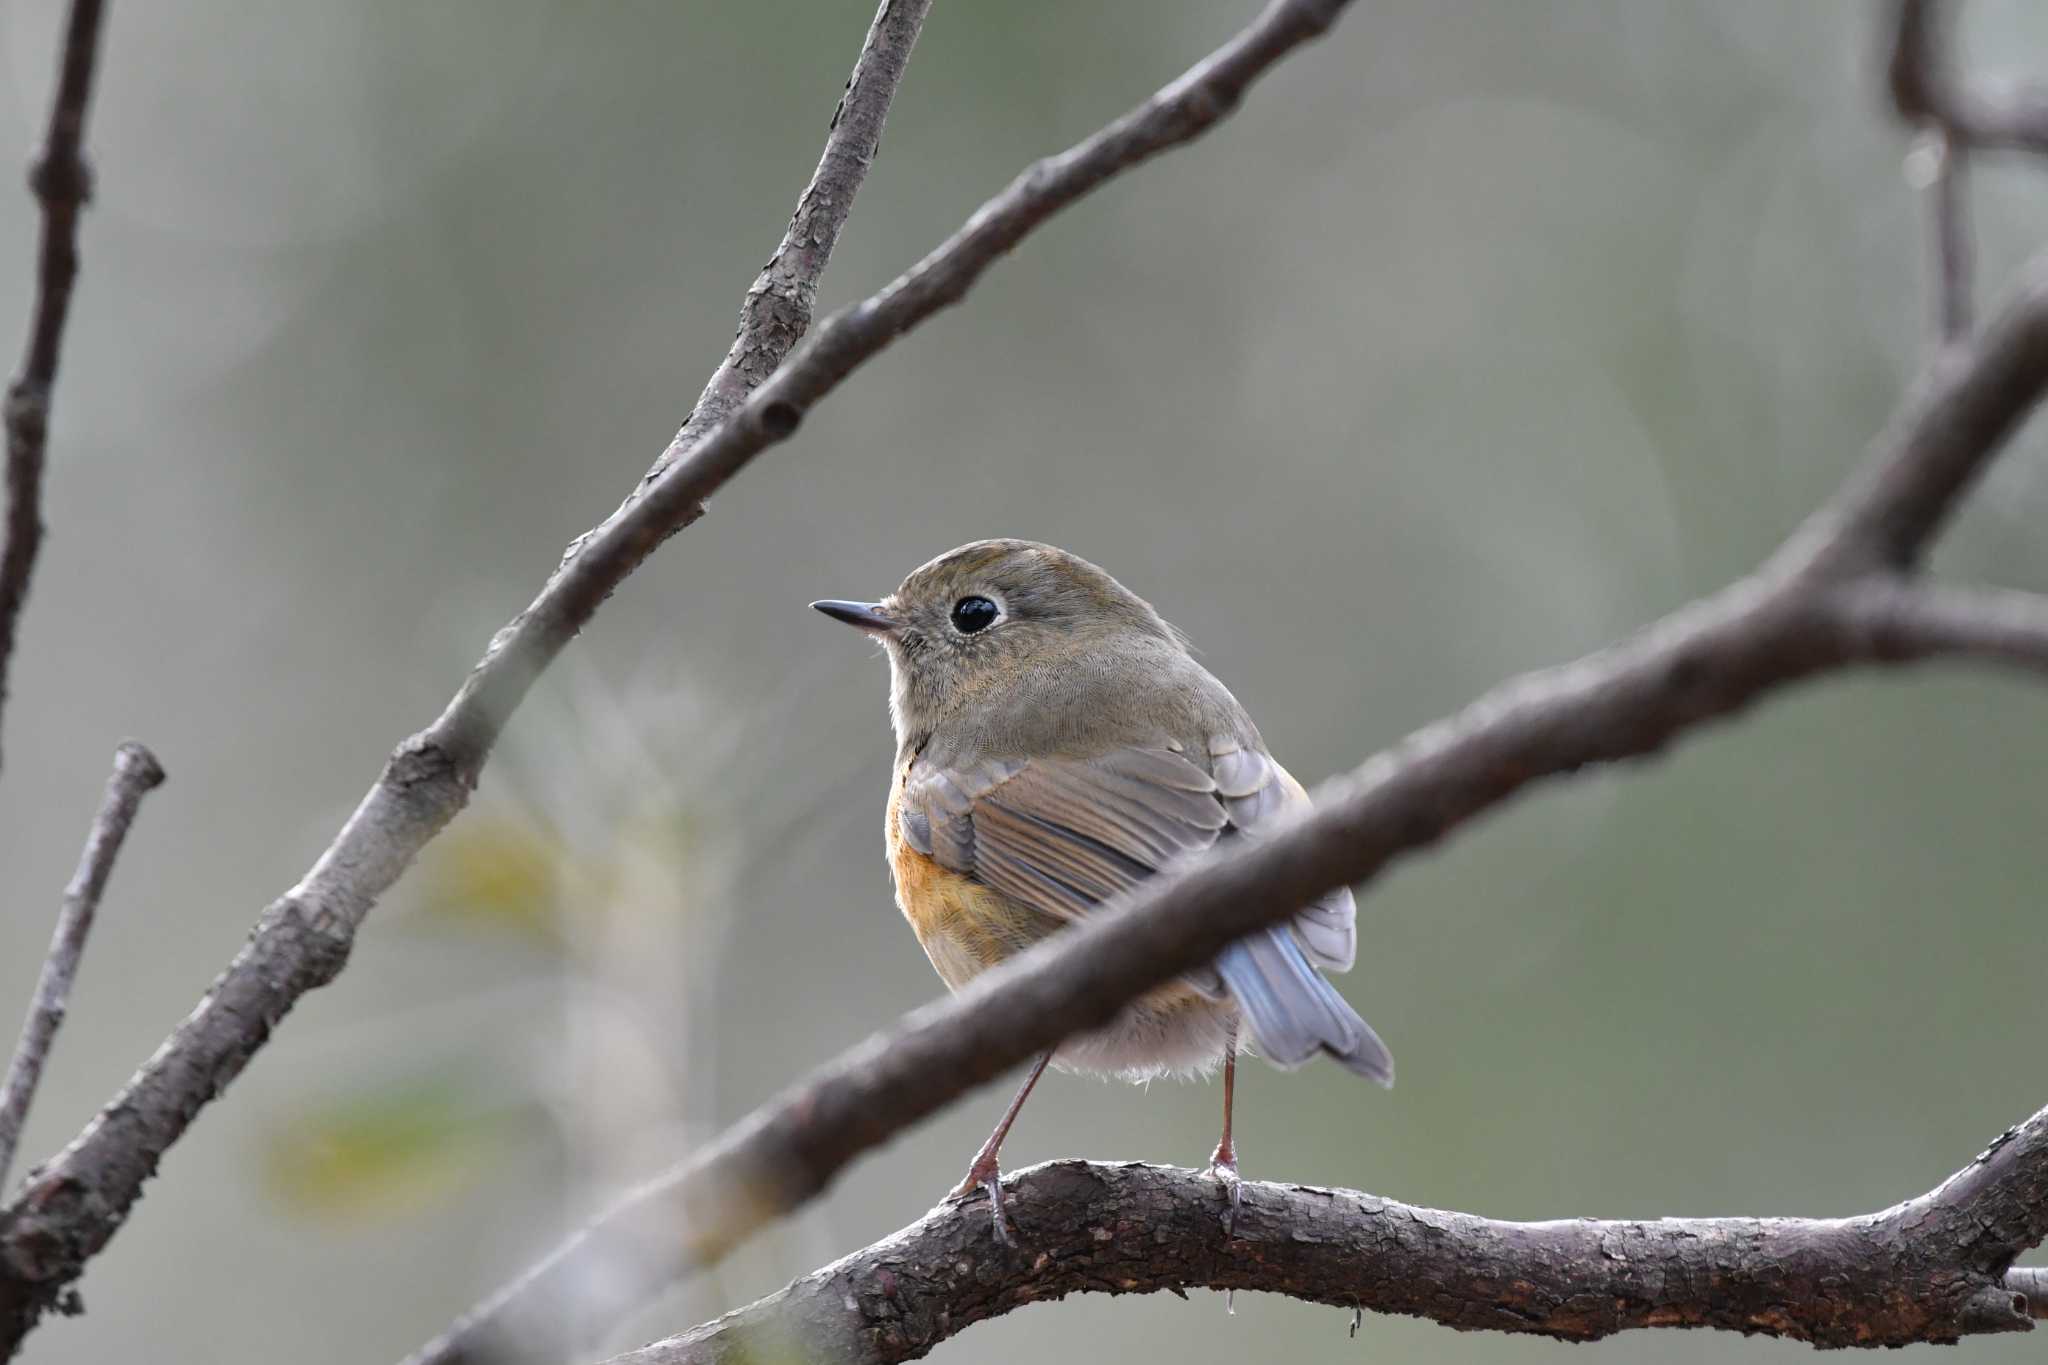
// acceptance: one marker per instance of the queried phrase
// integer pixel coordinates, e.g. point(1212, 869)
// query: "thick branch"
point(1930, 1270)
point(303, 939)
point(136, 772)
point(61, 181)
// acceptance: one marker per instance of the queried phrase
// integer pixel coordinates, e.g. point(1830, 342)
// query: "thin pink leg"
point(986, 1173)
point(1223, 1162)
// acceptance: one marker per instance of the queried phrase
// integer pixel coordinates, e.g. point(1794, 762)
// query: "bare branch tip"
point(134, 759)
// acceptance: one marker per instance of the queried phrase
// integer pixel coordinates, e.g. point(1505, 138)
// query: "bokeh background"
point(1485, 332)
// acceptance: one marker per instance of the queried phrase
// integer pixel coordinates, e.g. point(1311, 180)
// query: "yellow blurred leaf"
point(499, 873)
point(389, 1150)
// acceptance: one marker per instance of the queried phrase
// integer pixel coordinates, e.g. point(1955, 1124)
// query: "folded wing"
point(1063, 835)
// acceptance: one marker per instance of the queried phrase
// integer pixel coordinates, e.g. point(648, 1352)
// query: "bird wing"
point(1062, 835)
point(1261, 797)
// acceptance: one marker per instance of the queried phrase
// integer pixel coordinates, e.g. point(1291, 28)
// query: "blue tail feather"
point(1293, 1012)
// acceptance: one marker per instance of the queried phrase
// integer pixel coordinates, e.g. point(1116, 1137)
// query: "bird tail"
point(1294, 1012)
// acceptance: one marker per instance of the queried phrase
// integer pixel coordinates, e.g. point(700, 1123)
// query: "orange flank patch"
point(963, 926)
point(966, 928)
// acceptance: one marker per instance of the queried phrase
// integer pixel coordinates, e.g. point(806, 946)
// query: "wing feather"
point(1261, 797)
point(1063, 835)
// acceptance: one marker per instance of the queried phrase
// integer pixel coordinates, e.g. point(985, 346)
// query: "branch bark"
point(62, 183)
point(1933, 1269)
point(1799, 615)
point(136, 773)
point(302, 941)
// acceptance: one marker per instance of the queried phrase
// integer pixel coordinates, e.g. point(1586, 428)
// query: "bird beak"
point(867, 616)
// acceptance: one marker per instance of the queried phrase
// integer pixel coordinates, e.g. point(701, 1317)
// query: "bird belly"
point(965, 928)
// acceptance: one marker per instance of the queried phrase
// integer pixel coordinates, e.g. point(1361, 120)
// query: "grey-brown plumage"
point(1056, 746)
point(1069, 749)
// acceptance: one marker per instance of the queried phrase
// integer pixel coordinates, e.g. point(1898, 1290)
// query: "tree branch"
point(62, 182)
point(1939, 168)
point(136, 772)
point(778, 308)
point(1905, 620)
point(1959, 414)
point(1779, 626)
point(1933, 1269)
point(302, 941)
point(2000, 117)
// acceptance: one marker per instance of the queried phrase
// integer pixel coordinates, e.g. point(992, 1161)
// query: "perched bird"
point(1056, 745)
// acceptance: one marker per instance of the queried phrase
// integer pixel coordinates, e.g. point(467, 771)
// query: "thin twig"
point(1931, 1269)
point(1938, 163)
point(778, 309)
point(61, 181)
point(1905, 619)
point(136, 772)
point(1952, 267)
point(303, 939)
point(1777, 627)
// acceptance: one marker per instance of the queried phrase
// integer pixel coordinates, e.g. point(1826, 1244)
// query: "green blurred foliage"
point(499, 874)
point(404, 1147)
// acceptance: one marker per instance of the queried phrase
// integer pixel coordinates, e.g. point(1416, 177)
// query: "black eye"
point(971, 614)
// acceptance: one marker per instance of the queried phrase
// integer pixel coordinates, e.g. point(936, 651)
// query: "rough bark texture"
point(1929, 1270)
point(62, 183)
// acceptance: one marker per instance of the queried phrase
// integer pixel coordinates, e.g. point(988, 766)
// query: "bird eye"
point(971, 614)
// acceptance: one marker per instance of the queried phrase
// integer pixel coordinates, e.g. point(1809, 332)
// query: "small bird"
point(1056, 745)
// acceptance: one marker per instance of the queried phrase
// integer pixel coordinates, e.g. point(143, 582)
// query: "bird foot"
point(986, 1174)
point(1222, 1168)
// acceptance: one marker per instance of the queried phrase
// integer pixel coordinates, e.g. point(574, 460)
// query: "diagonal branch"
point(1777, 627)
point(303, 939)
point(779, 305)
point(1933, 1269)
point(136, 772)
point(1954, 420)
point(63, 183)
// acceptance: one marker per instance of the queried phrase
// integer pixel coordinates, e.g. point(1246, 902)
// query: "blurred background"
point(1485, 333)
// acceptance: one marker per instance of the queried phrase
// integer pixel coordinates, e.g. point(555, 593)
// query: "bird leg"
point(1223, 1161)
point(986, 1173)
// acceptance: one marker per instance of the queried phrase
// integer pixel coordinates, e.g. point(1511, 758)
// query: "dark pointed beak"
point(867, 616)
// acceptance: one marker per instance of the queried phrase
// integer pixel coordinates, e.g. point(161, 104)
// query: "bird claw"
point(990, 1179)
point(1224, 1172)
